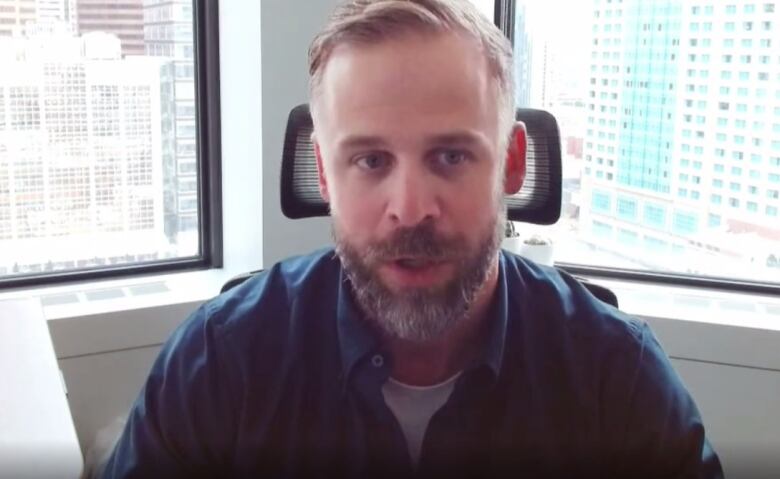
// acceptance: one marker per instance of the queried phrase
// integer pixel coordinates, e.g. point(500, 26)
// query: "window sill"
point(101, 316)
point(705, 325)
point(692, 324)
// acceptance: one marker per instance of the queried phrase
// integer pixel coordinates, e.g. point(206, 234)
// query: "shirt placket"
point(457, 441)
point(386, 448)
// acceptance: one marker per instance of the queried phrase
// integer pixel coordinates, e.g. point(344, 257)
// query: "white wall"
point(105, 357)
point(243, 134)
point(741, 410)
point(288, 28)
point(733, 374)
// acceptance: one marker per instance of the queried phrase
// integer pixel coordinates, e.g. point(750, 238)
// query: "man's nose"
point(412, 198)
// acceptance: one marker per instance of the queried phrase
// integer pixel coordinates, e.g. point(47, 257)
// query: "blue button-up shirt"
point(281, 377)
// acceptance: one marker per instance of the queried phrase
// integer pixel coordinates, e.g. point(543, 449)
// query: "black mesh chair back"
point(539, 200)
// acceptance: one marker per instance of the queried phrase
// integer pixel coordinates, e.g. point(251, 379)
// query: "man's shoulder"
point(265, 303)
point(550, 298)
point(564, 333)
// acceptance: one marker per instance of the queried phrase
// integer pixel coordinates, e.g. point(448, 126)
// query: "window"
point(487, 7)
point(627, 209)
point(601, 202)
point(685, 223)
point(684, 132)
point(655, 215)
point(713, 221)
point(94, 175)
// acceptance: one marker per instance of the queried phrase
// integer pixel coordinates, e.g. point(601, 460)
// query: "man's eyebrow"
point(362, 141)
point(456, 138)
point(464, 137)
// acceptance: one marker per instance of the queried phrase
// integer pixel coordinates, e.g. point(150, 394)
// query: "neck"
point(431, 362)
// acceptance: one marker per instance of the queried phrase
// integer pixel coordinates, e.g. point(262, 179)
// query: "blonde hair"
point(372, 21)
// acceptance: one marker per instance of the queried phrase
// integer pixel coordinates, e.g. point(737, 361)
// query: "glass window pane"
point(487, 7)
point(667, 101)
point(97, 135)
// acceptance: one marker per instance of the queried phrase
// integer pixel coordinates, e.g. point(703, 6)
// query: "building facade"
point(123, 18)
point(17, 16)
point(682, 149)
point(80, 158)
point(168, 34)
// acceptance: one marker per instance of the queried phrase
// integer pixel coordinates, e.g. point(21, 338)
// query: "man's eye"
point(449, 158)
point(373, 161)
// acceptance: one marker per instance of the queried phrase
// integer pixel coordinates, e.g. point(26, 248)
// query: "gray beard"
point(419, 314)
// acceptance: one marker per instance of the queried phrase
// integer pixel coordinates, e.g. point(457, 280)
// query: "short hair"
point(373, 21)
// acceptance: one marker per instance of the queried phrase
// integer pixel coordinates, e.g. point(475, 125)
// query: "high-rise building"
point(14, 15)
point(79, 157)
point(57, 11)
point(168, 34)
point(18, 17)
point(123, 18)
point(682, 151)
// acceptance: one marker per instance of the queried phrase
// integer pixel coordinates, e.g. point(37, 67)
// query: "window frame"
point(504, 19)
point(208, 147)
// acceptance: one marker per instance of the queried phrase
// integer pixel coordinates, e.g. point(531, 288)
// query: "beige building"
point(14, 14)
point(80, 157)
point(21, 17)
point(123, 18)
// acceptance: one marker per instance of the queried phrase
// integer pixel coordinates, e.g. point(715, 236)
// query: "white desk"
point(37, 436)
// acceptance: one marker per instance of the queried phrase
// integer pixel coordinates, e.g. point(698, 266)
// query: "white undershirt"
point(413, 407)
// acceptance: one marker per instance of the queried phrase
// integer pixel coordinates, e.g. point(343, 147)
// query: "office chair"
point(538, 201)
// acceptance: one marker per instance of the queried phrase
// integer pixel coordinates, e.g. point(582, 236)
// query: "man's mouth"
point(415, 271)
point(414, 263)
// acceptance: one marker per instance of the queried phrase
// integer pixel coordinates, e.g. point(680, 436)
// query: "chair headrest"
point(538, 201)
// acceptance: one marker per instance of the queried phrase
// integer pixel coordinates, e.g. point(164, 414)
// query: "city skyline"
point(681, 150)
point(168, 30)
point(669, 114)
point(122, 18)
point(81, 150)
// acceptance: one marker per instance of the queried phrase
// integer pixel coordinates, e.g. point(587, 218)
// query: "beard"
point(420, 314)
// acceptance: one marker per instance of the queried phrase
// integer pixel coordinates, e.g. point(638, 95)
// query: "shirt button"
point(378, 361)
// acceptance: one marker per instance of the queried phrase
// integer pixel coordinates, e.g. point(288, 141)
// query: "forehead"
point(423, 81)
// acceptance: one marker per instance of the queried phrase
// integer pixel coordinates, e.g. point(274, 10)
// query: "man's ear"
point(514, 174)
point(323, 183)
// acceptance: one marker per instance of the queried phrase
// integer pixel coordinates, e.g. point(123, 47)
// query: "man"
point(418, 347)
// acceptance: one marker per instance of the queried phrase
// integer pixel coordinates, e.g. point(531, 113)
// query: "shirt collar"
point(492, 354)
point(356, 339)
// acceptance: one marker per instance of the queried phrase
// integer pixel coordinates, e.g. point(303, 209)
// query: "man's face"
point(407, 135)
